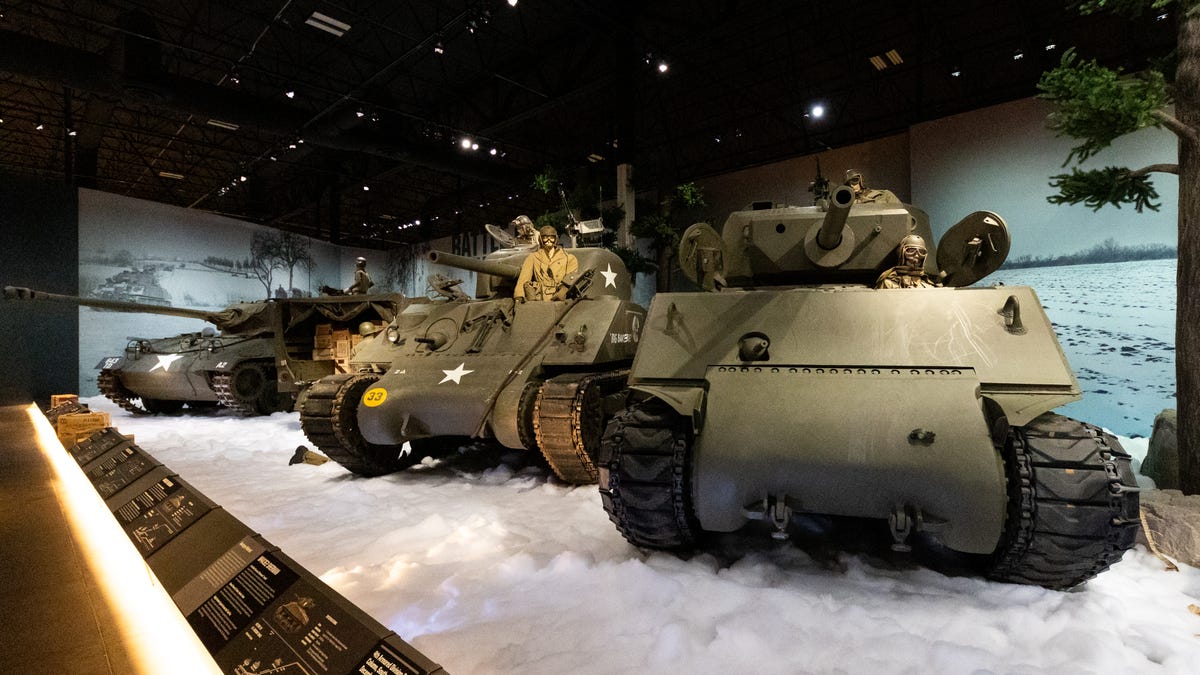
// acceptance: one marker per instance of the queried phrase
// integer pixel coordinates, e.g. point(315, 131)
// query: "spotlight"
point(1051, 46)
point(818, 111)
point(72, 132)
point(1018, 55)
point(290, 94)
point(40, 126)
point(512, 3)
point(243, 179)
point(359, 113)
point(492, 152)
point(663, 67)
point(955, 71)
point(465, 143)
point(438, 48)
point(366, 188)
point(474, 146)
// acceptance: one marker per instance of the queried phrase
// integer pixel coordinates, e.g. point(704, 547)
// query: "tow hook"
point(903, 521)
point(772, 508)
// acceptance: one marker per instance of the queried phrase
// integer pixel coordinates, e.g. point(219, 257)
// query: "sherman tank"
point(838, 371)
point(541, 375)
point(257, 359)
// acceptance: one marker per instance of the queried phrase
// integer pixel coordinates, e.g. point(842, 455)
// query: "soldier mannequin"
point(547, 270)
point(362, 280)
point(865, 195)
point(523, 230)
point(910, 272)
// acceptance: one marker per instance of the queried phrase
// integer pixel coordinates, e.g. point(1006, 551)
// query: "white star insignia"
point(455, 374)
point(610, 277)
point(165, 361)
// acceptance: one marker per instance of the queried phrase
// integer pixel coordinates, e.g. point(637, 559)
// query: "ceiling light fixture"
point(878, 62)
point(1018, 55)
point(894, 57)
point(243, 178)
point(359, 113)
point(39, 126)
point(663, 67)
point(290, 94)
point(72, 132)
point(170, 174)
point(328, 24)
point(1050, 46)
point(512, 3)
point(438, 48)
point(228, 126)
point(492, 152)
point(366, 188)
point(465, 143)
point(955, 71)
point(818, 111)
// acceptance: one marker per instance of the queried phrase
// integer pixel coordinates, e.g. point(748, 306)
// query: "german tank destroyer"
point(525, 372)
point(837, 369)
point(258, 358)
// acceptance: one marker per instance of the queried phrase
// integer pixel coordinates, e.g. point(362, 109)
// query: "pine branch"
point(1180, 129)
point(1110, 185)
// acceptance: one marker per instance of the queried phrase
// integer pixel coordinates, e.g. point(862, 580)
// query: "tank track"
point(328, 417)
point(222, 386)
point(568, 419)
point(645, 476)
point(116, 392)
point(1073, 504)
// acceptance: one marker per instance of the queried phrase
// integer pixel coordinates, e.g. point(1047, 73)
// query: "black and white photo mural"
point(152, 254)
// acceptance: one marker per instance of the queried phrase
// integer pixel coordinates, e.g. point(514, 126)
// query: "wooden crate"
point(59, 399)
point(77, 426)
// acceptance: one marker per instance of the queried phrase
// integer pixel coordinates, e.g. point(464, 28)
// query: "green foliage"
point(690, 195)
point(1130, 8)
point(545, 181)
point(634, 261)
point(1096, 105)
point(1111, 185)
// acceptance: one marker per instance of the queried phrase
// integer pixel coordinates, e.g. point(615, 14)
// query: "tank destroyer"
point(542, 375)
point(837, 370)
point(257, 359)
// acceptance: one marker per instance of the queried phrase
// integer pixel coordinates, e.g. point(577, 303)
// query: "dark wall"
point(39, 235)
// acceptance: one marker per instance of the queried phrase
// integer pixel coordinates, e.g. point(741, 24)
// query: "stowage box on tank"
point(839, 370)
point(261, 356)
point(543, 375)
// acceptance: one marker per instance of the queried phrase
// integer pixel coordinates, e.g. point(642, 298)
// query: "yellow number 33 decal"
point(374, 397)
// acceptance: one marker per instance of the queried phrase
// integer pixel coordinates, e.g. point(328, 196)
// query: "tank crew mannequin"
point(547, 272)
point(865, 195)
point(524, 231)
point(910, 272)
point(362, 280)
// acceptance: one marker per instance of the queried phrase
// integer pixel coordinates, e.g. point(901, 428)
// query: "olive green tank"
point(261, 355)
point(542, 375)
point(839, 369)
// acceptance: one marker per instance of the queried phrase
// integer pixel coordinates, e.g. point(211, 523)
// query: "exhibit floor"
point(487, 564)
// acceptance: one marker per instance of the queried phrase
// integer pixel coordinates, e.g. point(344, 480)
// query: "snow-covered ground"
point(488, 564)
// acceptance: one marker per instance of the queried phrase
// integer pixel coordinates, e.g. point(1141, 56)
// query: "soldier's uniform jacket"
point(878, 197)
point(362, 283)
point(903, 276)
point(541, 274)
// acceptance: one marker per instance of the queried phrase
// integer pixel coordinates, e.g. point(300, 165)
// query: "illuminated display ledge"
point(253, 608)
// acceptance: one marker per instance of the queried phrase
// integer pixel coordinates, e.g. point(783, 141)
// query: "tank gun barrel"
point(481, 266)
point(835, 218)
point(22, 293)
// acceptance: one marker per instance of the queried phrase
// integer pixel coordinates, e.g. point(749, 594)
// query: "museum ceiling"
point(346, 120)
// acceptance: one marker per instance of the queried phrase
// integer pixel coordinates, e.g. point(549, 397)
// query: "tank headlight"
point(393, 334)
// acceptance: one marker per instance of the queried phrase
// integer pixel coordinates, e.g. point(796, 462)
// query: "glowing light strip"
point(153, 632)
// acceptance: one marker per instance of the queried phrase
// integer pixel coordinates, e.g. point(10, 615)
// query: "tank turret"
point(264, 355)
point(841, 370)
point(538, 374)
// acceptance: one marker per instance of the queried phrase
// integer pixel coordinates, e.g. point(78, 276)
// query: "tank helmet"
point(367, 328)
point(853, 177)
point(912, 250)
point(548, 231)
point(521, 222)
point(360, 260)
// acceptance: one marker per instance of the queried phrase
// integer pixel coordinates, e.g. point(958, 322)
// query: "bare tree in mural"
point(265, 256)
point(294, 251)
point(1096, 105)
